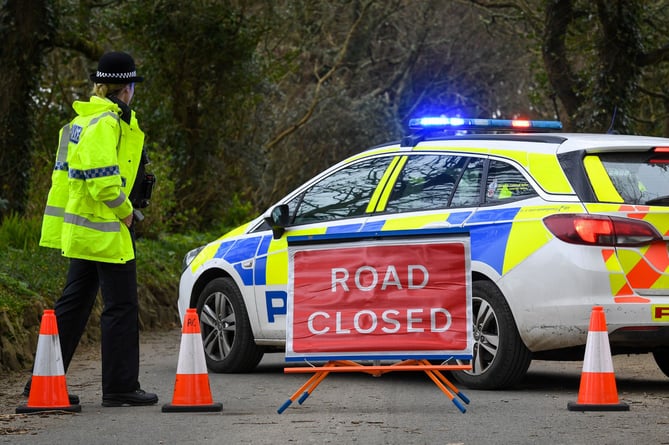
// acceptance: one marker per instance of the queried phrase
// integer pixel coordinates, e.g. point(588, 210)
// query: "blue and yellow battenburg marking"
point(519, 231)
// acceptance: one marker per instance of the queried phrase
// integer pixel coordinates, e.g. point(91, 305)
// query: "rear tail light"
point(601, 230)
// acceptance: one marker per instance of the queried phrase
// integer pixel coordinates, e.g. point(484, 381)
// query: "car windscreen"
point(630, 178)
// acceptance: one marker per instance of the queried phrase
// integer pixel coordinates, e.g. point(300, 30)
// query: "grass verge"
point(32, 277)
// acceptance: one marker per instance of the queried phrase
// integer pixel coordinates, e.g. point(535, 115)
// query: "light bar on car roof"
point(458, 123)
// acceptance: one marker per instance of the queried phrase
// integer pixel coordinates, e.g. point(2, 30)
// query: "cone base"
point(621, 406)
point(171, 408)
point(24, 409)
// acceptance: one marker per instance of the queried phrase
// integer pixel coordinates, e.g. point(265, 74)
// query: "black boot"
point(138, 397)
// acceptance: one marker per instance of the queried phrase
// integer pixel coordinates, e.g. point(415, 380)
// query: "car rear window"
point(629, 178)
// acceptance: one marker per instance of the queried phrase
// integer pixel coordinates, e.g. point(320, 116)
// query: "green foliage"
point(204, 71)
point(15, 295)
point(30, 272)
point(19, 232)
point(245, 100)
point(159, 265)
point(26, 270)
point(236, 213)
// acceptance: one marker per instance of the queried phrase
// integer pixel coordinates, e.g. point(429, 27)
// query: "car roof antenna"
point(613, 120)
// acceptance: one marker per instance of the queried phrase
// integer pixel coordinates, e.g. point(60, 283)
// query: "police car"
point(558, 223)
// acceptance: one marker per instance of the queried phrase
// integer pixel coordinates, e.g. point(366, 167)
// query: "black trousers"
point(119, 320)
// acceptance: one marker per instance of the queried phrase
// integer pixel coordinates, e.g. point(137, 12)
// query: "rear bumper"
point(642, 339)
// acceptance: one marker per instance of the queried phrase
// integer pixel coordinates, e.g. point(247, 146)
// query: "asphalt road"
point(396, 408)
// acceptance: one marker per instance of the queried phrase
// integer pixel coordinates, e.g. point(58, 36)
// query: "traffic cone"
point(48, 390)
point(191, 388)
point(598, 382)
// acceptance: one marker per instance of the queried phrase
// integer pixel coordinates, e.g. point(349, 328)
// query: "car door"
point(431, 190)
point(442, 190)
point(339, 201)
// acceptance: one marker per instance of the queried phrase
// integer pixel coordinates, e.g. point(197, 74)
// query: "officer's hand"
point(128, 220)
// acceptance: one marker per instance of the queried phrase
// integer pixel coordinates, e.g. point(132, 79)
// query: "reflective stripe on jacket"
point(52, 223)
point(102, 154)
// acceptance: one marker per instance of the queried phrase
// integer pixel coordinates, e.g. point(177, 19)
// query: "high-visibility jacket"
point(96, 167)
point(52, 222)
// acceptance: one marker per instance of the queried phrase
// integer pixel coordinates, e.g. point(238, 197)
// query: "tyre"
point(662, 359)
point(500, 359)
point(226, 331)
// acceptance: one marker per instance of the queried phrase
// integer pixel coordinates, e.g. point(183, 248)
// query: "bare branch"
point(654, 57)
point(321, 81)
point(664, 96)
point(73, 41)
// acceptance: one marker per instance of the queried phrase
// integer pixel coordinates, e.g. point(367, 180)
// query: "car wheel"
point(226, 331)
point(662, 359)
point(500, 359)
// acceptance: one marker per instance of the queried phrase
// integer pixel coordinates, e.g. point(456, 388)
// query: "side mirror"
point(278, 217)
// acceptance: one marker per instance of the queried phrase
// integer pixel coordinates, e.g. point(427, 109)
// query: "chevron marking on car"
point(645, 267)
point(619, 285)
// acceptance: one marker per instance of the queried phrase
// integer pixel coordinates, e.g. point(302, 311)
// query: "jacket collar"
point(126, 112)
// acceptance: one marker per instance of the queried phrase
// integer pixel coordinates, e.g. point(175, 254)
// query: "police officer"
point(89, 216)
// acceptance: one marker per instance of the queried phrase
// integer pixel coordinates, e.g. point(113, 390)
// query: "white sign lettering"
point(366, 278)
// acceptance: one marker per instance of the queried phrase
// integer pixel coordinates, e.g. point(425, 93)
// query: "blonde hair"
point(105, 89)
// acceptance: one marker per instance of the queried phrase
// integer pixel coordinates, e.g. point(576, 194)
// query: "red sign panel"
point(381, 299)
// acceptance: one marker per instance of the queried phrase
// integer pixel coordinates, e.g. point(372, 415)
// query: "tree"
point(27, 29)
point(199, 70)
point(246, 99)
point(601, 59)
point(364, 71)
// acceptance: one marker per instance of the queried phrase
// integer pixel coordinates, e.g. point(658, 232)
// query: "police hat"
point(116, 67)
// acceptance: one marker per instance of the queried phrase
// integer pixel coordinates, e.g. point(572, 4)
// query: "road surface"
point(396, 408)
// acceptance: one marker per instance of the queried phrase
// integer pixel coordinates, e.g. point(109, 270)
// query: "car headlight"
point(190, 256)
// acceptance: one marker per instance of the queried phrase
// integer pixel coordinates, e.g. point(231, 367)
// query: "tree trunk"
point(559, 15)
point(26, 32)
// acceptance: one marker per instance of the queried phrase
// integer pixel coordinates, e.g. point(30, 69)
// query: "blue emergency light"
point(464, 124)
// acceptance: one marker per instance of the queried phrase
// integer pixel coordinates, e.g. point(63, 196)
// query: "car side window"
point(343, 194)
point(506, 183)
point(425, 183)
point(468, 191)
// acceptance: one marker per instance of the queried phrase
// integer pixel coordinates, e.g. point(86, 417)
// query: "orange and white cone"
point(191, 388)
point(48, 390)
point(598, 382)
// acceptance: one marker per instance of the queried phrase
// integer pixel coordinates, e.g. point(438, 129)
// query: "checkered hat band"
point(131, 74)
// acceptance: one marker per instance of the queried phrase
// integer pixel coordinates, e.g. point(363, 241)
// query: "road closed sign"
point(390, 298)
